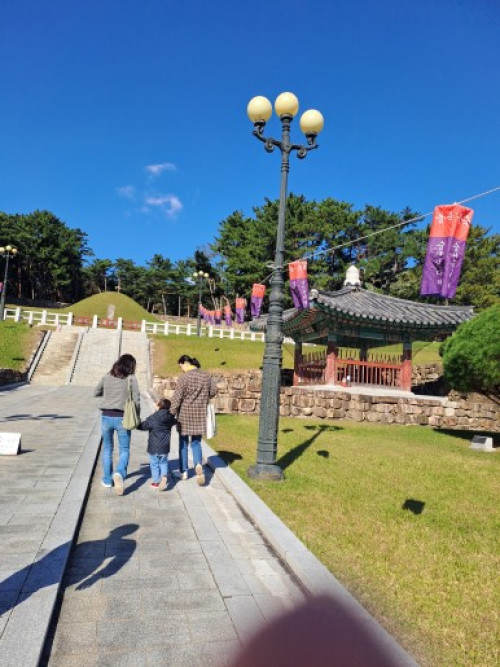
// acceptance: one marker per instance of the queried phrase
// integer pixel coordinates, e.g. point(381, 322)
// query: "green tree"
point(51, 254)
point(98, 273)
point(471, 356)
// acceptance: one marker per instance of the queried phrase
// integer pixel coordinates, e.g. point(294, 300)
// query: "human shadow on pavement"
point(84, 563)
point(26, 417)
point(291, 456)
point(142, 476)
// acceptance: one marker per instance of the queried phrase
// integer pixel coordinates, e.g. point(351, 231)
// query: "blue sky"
point(127, 118)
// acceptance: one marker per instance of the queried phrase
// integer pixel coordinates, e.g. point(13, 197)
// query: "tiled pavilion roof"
point(359, 313)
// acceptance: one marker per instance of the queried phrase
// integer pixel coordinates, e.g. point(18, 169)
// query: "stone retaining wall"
point(7, 376)
point(239, 393)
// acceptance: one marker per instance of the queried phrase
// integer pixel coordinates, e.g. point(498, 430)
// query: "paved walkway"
point(42, 491)
point(185, 576)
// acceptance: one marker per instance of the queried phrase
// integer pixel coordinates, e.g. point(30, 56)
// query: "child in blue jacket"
point(159, 425)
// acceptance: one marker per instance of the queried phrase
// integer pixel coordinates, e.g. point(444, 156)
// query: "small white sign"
point(10, 444)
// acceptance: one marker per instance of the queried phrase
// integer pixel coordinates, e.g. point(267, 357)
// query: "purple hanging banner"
point(228, 316)
point(240, 310)
point(258, 292)
point(445, 250)
point(299, 285)
point(456, 253)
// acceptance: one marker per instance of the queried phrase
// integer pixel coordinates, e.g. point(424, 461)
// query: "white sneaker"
point(163, 483)
point(118, 482)
point(106, 485)
point(200, 475)
point(180, 475)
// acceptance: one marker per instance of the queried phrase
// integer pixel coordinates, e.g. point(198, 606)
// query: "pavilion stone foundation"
point(239, 393)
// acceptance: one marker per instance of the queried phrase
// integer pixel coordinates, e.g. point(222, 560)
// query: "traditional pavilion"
point(358, 319)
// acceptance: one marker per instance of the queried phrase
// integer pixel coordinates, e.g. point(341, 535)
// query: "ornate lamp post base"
point(266, 472)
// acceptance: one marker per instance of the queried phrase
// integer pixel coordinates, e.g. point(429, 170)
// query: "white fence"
point(45, 317)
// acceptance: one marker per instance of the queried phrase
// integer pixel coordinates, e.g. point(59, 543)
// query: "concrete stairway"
point(137, 344)
point(54, 367)
point(98, 352)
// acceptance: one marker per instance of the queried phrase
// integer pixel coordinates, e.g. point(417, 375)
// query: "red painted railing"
point(367, 372)
point(107, 323)
point(82, 321)
point(131, 325)
point(311, 368)
point(386, 371)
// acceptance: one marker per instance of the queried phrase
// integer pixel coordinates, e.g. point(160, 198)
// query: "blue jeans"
point(183, 450)
point(159, 467)
point(108, 426)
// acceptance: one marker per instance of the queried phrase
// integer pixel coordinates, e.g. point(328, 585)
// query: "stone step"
point(54, 366)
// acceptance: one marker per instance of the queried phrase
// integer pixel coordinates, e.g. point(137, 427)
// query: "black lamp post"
point(311, 123)
point(6, 252)
point(199, 275)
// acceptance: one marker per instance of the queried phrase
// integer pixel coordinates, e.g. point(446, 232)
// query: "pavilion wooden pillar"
point(363, 351)
point(406, 367)
point(297, 358)
point(331, 357)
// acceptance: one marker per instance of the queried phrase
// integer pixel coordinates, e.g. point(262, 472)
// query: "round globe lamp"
point(286, 104)
point(259, 109)
point(312, 122)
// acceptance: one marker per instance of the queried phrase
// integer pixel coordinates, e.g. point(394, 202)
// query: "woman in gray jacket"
point(113, 387)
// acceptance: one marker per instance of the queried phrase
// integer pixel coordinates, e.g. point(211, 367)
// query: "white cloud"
point(170, 205)
point(155, 170)
point(126, 191)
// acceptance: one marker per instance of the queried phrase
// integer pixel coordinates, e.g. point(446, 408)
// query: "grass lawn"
point(17, 341)
point(406, 517)
point(214, 354)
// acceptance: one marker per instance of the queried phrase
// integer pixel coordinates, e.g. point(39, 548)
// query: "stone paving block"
point(271, 606)
point(214, 626)
point(251, 537)
point(80, 607)
point(194, 580)
point(246, 615)
point(228, 577)
point(14, 545)
point(139, 584)
point(73, 660)
point(202, 523)
point(180, 548)
point(8, 598)
point(254, 551)
point(205, 654)
point(190, 601)
point(24, 624)
point(76, 638)
point(149, 632)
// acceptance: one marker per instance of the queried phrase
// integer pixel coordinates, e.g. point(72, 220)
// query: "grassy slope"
point(97, 304)
point(430, 576)
point(17, 341)
point(212, 353)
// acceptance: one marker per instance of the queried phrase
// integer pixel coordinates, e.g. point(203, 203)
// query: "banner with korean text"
point(445, 250)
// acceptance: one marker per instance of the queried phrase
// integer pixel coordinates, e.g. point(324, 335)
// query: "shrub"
point(471, 357)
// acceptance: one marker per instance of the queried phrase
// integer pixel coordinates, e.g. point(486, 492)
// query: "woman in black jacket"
point(159, 425)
